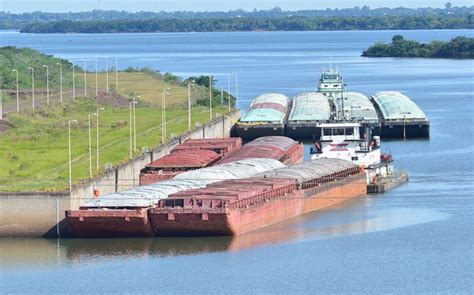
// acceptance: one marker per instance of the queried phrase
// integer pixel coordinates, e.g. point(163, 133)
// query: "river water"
point(415, 239)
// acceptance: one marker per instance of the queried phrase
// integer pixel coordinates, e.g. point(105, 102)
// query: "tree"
point(448, 5)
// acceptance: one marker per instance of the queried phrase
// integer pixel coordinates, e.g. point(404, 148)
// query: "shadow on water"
point(350, 218)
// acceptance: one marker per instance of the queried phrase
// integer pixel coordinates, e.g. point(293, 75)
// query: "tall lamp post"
point(135, 123)
point(131, 131)
point(73, 82)
point(90, 145)
point(97, 144)
point(116, 74)
point(163, 115)
point(70, 153)
point(107, 73)
point(236, 90)
point(47, 84)
point(228, 91)
point(210, 98)
point(85, 77)
point(60, 81)
point(190, 83)
point(1, 101)
point(17, 92)
point(32, 85)
point(96, 78)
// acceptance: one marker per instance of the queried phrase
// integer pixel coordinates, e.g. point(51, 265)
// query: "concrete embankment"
point(41, 214)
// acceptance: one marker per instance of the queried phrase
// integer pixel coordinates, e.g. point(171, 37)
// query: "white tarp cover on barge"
point(268, 107)
point(309, 170)
point(310, 106)
point(397, 106)
point(357, 106)
point(148, 195)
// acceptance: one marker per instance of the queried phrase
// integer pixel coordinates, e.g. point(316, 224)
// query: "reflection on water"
point(352, 219)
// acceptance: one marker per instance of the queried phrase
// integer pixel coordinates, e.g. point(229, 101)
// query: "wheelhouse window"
point(338, 131)
point(349, 131)
point(327, 132)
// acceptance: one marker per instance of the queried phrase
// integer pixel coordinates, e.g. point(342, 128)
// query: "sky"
point(17, 6)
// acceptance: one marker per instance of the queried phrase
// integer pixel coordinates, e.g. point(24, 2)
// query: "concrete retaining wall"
point(41, 214)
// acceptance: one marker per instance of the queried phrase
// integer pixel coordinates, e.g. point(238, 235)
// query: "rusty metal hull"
point(109, 223)
point(236, 221)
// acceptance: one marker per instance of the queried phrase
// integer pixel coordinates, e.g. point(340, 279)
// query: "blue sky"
point(200, 5)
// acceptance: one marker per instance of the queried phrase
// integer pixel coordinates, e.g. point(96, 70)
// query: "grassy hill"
point(34, 143)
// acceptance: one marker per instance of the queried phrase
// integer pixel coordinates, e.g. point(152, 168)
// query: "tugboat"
point(331, 83)
point(354, 142)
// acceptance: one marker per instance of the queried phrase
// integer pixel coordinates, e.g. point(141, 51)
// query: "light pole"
point(210, 98)
point(135, 123)
point(131, 131)
point(17, 92)
point(107, 72)
point(60, 81)
point(1, 101)
point(116, 74)
point(85, 77)
point(47, 84)
point(96, 79)
point(163, 115)
point(73, 82)
point(228, 90)
point(32, 85)
point(90, 146)
point(190, 83)
point(236, 90)
point(97, 144)
point(70, 153)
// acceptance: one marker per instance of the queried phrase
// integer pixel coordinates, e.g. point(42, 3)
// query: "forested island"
point(256, 24)
point(20, 20)
point(459, 47)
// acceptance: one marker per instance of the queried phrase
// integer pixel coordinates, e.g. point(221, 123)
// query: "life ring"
point(96, 193)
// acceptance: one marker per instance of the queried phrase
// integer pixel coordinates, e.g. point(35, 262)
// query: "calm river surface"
point(415, 239)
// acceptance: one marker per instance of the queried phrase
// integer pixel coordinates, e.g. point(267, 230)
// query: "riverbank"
point(41, 214)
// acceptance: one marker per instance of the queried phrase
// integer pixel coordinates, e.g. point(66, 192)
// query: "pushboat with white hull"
point(354, 142)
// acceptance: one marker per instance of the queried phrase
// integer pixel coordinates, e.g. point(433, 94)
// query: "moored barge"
point(401, 117)
point(266, 116)
point(280, 148)
point(235, 207)
point(190, 155)
point(124, 214)
point(308, 110)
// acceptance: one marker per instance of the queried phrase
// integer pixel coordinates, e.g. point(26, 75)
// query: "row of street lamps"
point(61, 82)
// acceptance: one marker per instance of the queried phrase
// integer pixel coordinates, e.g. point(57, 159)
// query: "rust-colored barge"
point(124, 214)
point(281, 148)
point(192, 154)
point(234, 207)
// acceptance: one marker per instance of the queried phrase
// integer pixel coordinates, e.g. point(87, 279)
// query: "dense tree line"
point(12, 58)
point(459, 47)
point(257, 24)
point(18, 21)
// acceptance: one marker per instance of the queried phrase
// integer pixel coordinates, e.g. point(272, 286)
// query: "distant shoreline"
point(286, 24)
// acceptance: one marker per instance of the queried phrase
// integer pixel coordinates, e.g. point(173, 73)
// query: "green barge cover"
point(356, 106)
point(310, 106)
point(396, 106)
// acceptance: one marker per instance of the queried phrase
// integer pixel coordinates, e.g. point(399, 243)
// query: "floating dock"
point(308, 110)
point(400, 116)
point(265, 116)
point(235, 207)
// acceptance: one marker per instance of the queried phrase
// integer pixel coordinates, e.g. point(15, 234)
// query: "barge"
point(356, 107)
point(401, 117)
point(235, 207)
point(280, 148)
point(265, 117)
point(125, 214)
point(308, 110)
point(192, 154)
